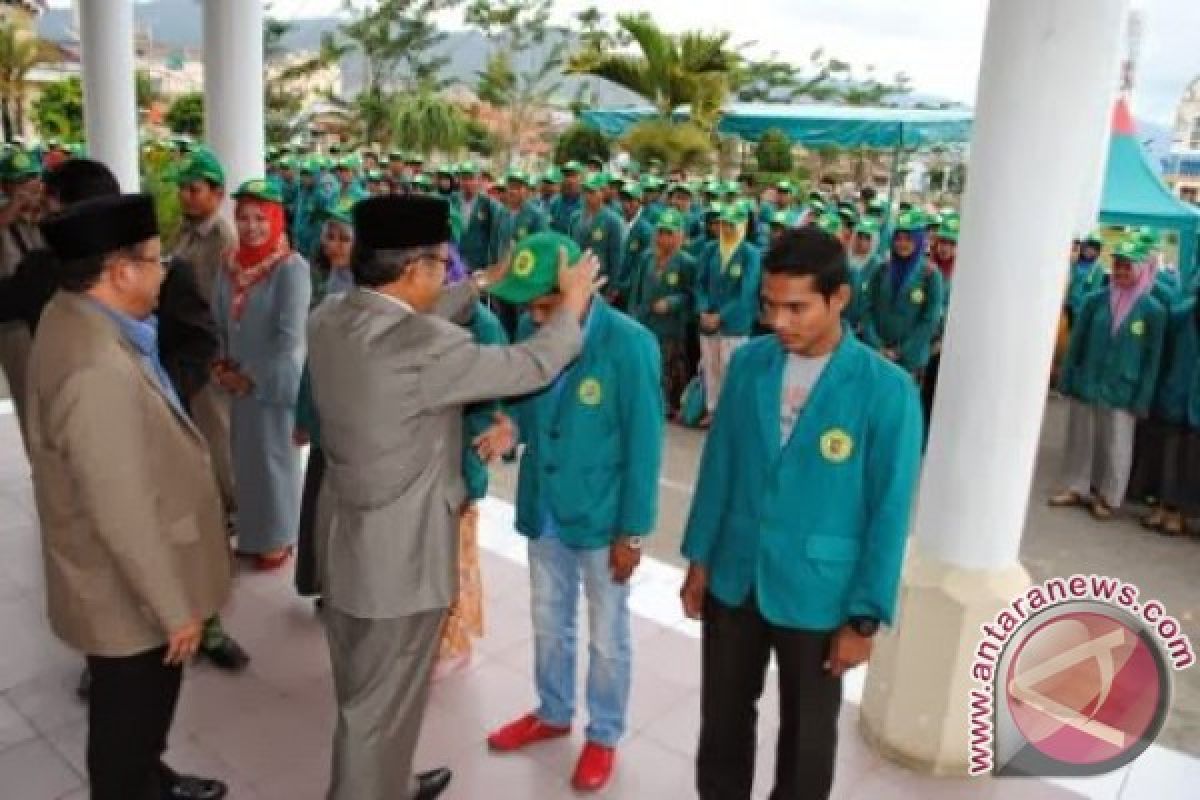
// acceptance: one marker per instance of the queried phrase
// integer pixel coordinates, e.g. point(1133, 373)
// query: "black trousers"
point(307, 581)
point(737, 645)
point(130, 708)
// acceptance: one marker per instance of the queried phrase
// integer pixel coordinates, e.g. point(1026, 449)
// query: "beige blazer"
point(390, 386)
point(133, 537)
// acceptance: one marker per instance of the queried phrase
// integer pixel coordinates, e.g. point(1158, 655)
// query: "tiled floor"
point(267, 731)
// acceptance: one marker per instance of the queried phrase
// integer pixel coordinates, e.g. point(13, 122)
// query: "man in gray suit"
point(391, 376)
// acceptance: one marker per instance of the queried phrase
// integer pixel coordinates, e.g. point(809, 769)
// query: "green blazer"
point(486, 329)
point(731, 290)
point(475, 241)
point(511, 228)
point(1115, 371)
point(638, 242)
point(604, 235)
point(594, 440)
point(815, 528)
point(906, 319)
point(561, 211)
point(860, 284)
point(674, 285)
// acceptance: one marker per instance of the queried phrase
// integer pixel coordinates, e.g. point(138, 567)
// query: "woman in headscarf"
point(727, 284)
point(1110, 375)
point(261, 308)
point(861, 263)
point(332, 275)
point(905, 301)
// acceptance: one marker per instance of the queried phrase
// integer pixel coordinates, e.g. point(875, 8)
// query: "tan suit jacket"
point(132, 529)
point(390, 386)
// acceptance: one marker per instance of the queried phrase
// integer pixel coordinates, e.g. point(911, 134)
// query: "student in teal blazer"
point(481, 214)
point(1110, 373)
point(600, 229)
point(587, 494)
point(522, 217)
point(905, 301)
point(639, 240)
point(798, 522)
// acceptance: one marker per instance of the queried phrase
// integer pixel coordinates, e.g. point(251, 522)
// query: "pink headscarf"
point(1122, 301)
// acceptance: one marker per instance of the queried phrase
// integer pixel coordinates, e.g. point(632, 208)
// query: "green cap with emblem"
point(572, 166)
point(553, 175)
point(733, 213)
point(785, 186)
point(714, 209)
point(670, 220)
point(595, 182)
point(533, 268)
point(17, 165)
point(680, 188)
point(343, 213)
point(948, 230)
point(518, 176)
point(423, 181)
point(784, 219)
point(830, 223)
point(446, 170)
point(259, 189)
point(469, 168)
point(910, 221)
point(631, 190)
point(1129, 249)
point(867, 227)
point(201, 165)
point(1148, 238)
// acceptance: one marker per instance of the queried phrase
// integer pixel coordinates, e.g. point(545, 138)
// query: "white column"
point(109, 98)
point(1045, 92)
point(1088, 212)
point(233, 87)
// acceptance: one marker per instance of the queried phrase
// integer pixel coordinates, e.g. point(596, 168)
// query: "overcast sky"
point(937, 42)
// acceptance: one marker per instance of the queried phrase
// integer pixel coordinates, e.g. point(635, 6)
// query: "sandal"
point(266, 562)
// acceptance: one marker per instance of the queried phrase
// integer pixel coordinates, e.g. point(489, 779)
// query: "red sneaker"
point(525, 731)
point(594, 768)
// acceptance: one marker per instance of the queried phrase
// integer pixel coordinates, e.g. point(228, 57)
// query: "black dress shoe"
point(431, 784)
point(189, 787)
point(225, 653)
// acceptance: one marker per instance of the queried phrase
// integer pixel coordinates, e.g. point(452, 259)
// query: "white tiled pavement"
point(267, 731)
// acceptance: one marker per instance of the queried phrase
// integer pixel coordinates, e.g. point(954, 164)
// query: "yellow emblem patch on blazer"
point(917, 296)
point(523, 264)
point(836, 446)
point(590, 393)
point(597, 235)
point(672, 279)
point(522, 233)
point(735, 271)
point(1138, 327)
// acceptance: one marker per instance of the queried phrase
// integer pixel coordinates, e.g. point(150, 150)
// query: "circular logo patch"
point(634, 245)
point(590, 393)
point(523, 264)
point(1138, 328)
point(483, 215)
point(672, 279)
point(917, 296)
point(736, 270)
point(597, 235)
point(836, 446)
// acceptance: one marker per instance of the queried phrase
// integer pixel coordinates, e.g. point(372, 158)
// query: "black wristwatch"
point(863, 626)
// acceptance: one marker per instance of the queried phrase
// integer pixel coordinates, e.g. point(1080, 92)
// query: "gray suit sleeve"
point(455, 302)
point(461, 372)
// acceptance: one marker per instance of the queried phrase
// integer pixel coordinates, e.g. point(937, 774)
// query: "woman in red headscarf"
point(261, 308)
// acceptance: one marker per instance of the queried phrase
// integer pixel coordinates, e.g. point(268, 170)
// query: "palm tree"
point(20, 53)
point(672, 70)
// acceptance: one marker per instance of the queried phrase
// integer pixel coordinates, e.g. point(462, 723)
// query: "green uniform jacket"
point(904, 320)
point(674, 284)
point(487, 330)
point(512, 228)
point(1177, 398)
point(594, 448)
point(476, 239)
point(562, 210)
point(604, 235)
point(814, 528)
point(1084, 281)
point(732, 290)
point(638, 242)
point(860, 284)
point(1115, 371)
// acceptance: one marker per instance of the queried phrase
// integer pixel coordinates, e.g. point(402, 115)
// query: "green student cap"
point(533, 270)
point(670, 220)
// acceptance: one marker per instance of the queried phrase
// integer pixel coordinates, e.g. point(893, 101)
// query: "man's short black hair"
point(79, 179)
point(809, 251)
point(747, 178)
point(867, 193)
point(375, 268)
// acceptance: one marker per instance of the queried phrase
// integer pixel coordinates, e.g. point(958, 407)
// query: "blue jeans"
point(555, 571)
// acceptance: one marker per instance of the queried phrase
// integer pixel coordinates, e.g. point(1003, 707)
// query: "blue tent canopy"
point(815, 125)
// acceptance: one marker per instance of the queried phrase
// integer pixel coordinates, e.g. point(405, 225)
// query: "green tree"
point(186, 114)
point(58, 110)
point(580, 142)
point(525, 84)
point(821, 79)
point(774, 153)
point(480, 139)
point(684, 145)
point(283, 96)
point(426, 122)
point(20, 53)
point(671, 70)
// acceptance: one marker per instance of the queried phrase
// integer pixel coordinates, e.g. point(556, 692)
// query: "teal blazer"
point(860, 284)
point(511, 228)
point(604, 235)
point(487, 330)
point(674, 285)
point(638, 242)
point(1085, 279)
point(906, 319)
point(1115, 371)
point(475, 241)
point(816, 528)
point(593, 444)
point(562, 210)
point(731, 290)
point(1177, 399)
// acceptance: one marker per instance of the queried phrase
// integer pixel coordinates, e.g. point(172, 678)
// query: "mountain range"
point(179, 23)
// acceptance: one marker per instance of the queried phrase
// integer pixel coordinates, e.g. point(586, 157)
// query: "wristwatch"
point(863, 626)
point(633, 542)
